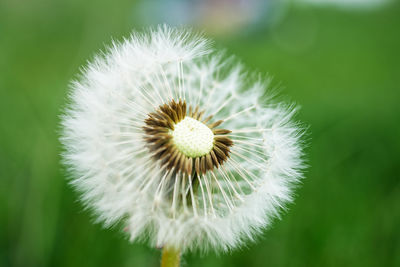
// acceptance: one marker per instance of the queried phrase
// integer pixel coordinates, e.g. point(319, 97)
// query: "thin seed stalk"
point(170, 257)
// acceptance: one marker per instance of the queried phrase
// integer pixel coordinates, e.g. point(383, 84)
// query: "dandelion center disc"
point(183, 140)
point(192, 138)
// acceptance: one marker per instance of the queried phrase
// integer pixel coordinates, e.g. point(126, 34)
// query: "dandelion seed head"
point(174, 142)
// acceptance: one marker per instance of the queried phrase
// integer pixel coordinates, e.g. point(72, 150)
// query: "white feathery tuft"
point(116, 174)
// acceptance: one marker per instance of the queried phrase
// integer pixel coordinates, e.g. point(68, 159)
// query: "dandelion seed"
point(177, 145)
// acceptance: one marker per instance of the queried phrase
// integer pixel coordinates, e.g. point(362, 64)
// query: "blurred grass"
point(342, 67)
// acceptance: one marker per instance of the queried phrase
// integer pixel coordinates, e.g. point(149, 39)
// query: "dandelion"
point(179, 146)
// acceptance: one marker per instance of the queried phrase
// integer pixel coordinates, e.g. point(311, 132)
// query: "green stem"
point(170, 257)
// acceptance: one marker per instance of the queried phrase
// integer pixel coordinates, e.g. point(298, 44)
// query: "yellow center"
point(192, 137)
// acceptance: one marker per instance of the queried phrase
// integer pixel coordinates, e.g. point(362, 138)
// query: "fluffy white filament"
point(116, 175)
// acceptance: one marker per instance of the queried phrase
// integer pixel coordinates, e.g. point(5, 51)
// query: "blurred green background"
point(341, 65)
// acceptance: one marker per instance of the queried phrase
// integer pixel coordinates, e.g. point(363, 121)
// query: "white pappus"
point(178, 144)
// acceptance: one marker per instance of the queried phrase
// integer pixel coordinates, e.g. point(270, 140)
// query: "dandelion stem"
point(170, 257)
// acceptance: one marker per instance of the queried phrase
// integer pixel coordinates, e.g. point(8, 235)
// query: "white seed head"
point(192, 137)
point(178, 145)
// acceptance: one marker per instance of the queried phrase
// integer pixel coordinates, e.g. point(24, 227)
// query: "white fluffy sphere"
point(114, 129)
